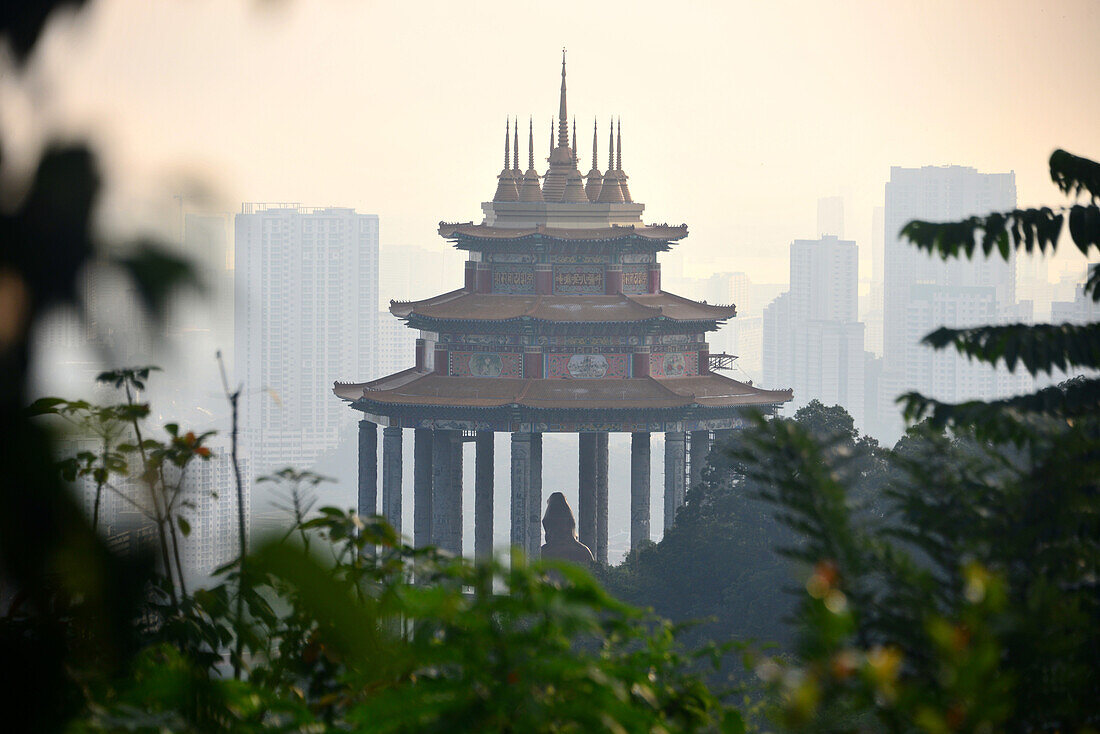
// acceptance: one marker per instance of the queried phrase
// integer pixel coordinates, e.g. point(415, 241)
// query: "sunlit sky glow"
point(736, 116)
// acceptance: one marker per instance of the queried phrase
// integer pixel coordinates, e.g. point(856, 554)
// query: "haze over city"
point(753, 386)
point(737, 117)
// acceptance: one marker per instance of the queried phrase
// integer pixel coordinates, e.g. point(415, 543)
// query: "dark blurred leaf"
point(22, 22)
point(1074, 174)
point(1040, 347)
point(48, 240)
point(157, 273)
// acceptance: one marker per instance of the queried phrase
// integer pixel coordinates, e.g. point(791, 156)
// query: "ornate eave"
point(558, 404)
point(652, 237)
point(461, 308)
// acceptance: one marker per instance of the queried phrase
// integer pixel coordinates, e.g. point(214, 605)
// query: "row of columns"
point(437, 485)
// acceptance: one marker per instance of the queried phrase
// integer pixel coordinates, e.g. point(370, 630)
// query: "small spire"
point(594, 180)
point(506, 181)
point(531, 144)
point(530, 189)
point(611, 146)
point(595, 164)
point(619, 147)
point(575, 142)
point(515, 147)
point(551, 136)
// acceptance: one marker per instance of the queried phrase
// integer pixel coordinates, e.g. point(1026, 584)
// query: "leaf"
point(44, 406)
point(1040, 347)
point(185, 527)
point(1020, 228)
point(1074, 174)
point(157, 273)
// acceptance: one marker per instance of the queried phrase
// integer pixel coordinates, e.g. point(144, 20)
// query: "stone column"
point(586, 490)
point(639, 489)
point(483, 495)
point(444, 510)
point(700, 447)
point(422, 487)
point(391, 476)
point(368, 469)
point(534, 499)
point(522, 470)
point(601, 498)
point(454, 544)
point(674, 474)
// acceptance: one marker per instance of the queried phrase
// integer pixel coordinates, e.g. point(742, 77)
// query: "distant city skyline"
point(739, 139)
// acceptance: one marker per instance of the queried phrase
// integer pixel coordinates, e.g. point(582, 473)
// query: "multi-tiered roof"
point(561, 322)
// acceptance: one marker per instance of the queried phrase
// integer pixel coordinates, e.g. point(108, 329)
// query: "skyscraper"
point(923, 292)
point(813, 339)
point(306, 293)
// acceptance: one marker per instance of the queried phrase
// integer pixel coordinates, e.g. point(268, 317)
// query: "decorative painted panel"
point(579, 259)
point(587, 366)
point(486, 364)
point(674, 364)
point(513, 279)
point(578, 279)
point(511, 257)
point(635, 278)
point(637, 257)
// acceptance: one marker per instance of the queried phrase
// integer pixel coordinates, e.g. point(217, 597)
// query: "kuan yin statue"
point(561, 533)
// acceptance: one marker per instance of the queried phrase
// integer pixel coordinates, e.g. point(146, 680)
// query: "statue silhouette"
point(561, 533)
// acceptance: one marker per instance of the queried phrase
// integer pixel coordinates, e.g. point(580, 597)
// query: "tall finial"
point(619, 147)
point(551, 136)
point(507, 144)
point(531, 144)
point(611, 146)
point(563, 115)
point(515, 146)
point(575, 142)
point(595, 164)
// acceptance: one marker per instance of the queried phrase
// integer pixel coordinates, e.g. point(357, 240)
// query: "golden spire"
point(595, 164)
point(619, 165)
point(575, 159)
point(515, 149)
point(551, 137)
point(563, 116)
point(594, 182)
point(610, 193)
point(506, 181)
point(530, 190)
point(619, 146)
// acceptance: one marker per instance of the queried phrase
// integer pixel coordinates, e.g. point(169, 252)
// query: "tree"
point(719, 563)
point(972, 602)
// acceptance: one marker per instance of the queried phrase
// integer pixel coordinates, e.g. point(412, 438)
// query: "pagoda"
point(560, 326)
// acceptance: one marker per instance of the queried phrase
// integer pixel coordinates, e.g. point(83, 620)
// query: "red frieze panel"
point(635, 278)
point(674, 364)
point(486, 364)
point(519, 279)
point(578, 280)
point(587, 366)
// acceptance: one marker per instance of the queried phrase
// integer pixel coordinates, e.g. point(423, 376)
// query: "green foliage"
point(1039, 347)
point(338, 635)
point(722, 564)
point(976, 577)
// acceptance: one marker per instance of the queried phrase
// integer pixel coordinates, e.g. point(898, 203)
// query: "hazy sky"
point(736, 116)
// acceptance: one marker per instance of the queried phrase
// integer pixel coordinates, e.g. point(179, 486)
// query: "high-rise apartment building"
point(306, 314)
point(923, 292)
point(813, 340)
